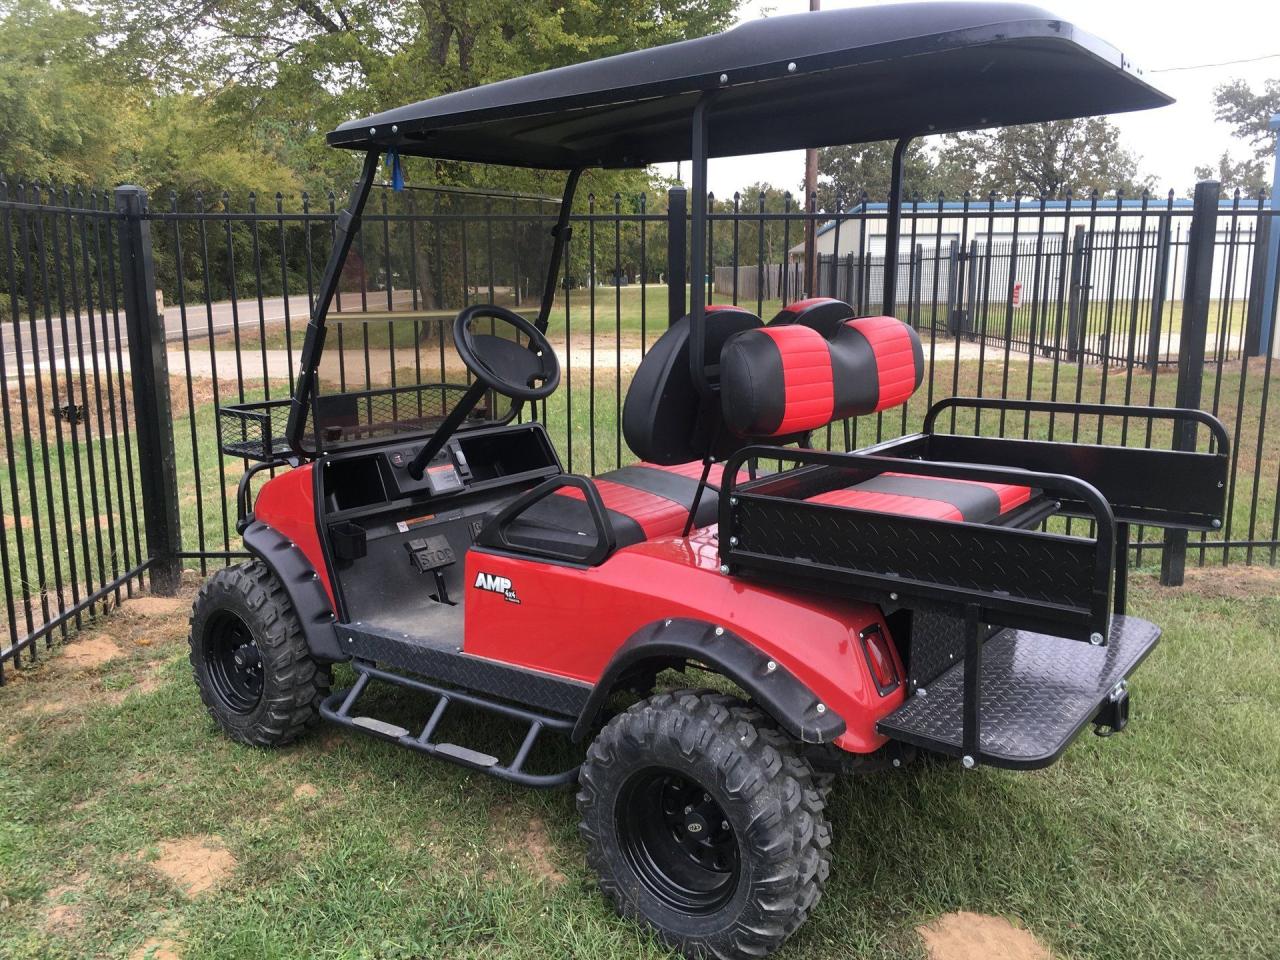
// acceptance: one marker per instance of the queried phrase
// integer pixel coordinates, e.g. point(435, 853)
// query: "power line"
point(1223, 63)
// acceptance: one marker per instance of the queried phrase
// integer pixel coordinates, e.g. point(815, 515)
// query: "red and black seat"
point(811, 366)
point(813, 363)
point(643, 501)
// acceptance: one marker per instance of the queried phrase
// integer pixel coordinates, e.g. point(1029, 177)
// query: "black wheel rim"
point(234, 662)
point(678, 841)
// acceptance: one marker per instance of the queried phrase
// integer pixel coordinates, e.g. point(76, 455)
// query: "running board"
point(337, 708)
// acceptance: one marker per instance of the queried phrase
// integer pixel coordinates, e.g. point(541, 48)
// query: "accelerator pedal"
point(337, 708)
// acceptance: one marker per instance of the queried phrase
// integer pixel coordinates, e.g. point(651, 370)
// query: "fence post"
point(1076, 296)
point(1195, 326)
point(149, 371)
point(1252, 346)
point(1160, 283)
point(953, 288)
point(1272, 255)
point(677, 240)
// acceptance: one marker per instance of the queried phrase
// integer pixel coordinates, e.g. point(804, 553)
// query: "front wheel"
point(703, 821)
point(250, 658)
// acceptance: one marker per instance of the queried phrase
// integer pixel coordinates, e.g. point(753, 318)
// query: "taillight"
point(875, 645)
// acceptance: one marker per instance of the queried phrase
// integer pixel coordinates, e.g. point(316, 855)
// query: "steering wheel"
point(504, 365)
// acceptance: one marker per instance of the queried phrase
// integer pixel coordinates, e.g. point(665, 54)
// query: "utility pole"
point(810, 207)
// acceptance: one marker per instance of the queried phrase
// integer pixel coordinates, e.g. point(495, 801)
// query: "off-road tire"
point(293, 683)
point(763, 785)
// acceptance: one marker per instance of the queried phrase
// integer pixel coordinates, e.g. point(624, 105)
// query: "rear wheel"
point(703, 821)
point(250, 658)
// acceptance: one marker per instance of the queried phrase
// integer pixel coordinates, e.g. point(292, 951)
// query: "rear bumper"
point(1038, 693)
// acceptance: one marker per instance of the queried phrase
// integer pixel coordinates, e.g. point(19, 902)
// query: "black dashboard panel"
point(472, 461)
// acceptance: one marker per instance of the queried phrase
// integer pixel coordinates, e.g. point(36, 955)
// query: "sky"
point(1156, 34)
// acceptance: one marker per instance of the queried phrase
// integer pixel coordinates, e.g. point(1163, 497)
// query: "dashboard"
point(472, 461)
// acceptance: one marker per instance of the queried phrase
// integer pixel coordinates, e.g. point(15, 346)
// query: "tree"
point(285, 72)
point(845, 173)
point(1249, 114)
point(1248, 176)
point(1046, 158)
point(54, 83)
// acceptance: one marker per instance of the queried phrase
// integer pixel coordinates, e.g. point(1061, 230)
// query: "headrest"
point(824, 314)
point(660, 416)
point(786, 379)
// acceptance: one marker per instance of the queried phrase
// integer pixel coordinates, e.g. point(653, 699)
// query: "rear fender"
point(674, 642)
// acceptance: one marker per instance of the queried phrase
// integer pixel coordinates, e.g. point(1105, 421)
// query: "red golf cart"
point(917, 594)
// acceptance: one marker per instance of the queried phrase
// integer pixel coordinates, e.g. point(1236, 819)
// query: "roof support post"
point(313, 345)
point(893, 228)
point(698, 251)
point(560, 234)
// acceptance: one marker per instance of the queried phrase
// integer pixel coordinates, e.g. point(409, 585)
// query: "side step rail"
point(338, 706)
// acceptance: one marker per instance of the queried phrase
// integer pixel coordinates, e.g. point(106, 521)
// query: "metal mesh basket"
point(258, 431)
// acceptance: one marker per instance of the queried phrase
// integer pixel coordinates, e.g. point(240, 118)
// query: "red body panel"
point(287, 503)
point(570, 621)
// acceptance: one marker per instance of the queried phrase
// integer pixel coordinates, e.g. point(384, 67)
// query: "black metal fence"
point(124, 326)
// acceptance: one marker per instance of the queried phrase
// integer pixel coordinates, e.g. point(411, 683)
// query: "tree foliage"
point(1249, 176)
point(189, 95)
point(1249, 114)
point(1040, 158)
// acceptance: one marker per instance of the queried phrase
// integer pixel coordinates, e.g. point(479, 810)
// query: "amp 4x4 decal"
point(496, 584)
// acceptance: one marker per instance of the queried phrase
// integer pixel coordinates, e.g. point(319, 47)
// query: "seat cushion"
point(643, 501)
point(931, 497)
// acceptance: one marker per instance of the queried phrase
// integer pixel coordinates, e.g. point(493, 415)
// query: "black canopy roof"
point(807, 80)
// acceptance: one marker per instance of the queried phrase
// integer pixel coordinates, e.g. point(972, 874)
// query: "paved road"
point(224, 316)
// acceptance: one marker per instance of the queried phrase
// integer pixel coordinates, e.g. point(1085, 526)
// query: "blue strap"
point(397, 173)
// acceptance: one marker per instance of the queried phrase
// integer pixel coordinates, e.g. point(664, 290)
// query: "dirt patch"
point(157, 948)
point(1235, 582)
point(90, 650)
point(305, 791)
point(64, 919)
point(534, 847)
point(48, 707)
point(150, 608)
point(974, 936)
point(195, 864)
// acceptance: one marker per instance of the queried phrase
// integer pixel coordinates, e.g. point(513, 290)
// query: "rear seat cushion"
point(642, 502)
point(933, 498)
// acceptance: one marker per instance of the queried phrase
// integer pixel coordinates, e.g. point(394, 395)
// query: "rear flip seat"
point(930, 497)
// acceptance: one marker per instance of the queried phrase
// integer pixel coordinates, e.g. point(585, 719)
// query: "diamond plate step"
point(1038, 693)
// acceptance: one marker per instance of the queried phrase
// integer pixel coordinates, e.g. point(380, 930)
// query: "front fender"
point(674, 641)
point(303, 585)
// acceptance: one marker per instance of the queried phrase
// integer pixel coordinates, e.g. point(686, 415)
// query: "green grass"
point(1162, 842)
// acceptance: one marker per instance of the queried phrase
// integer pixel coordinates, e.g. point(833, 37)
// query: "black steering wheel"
point(504, 365)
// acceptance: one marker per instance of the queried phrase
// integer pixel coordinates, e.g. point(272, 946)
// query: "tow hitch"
point(1113, 715)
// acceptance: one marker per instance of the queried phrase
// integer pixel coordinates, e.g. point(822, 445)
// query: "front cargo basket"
point(259, 431)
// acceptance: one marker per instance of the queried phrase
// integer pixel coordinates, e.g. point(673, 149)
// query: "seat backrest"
point(824, 314)
point(660, 418)
point(788, 378)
